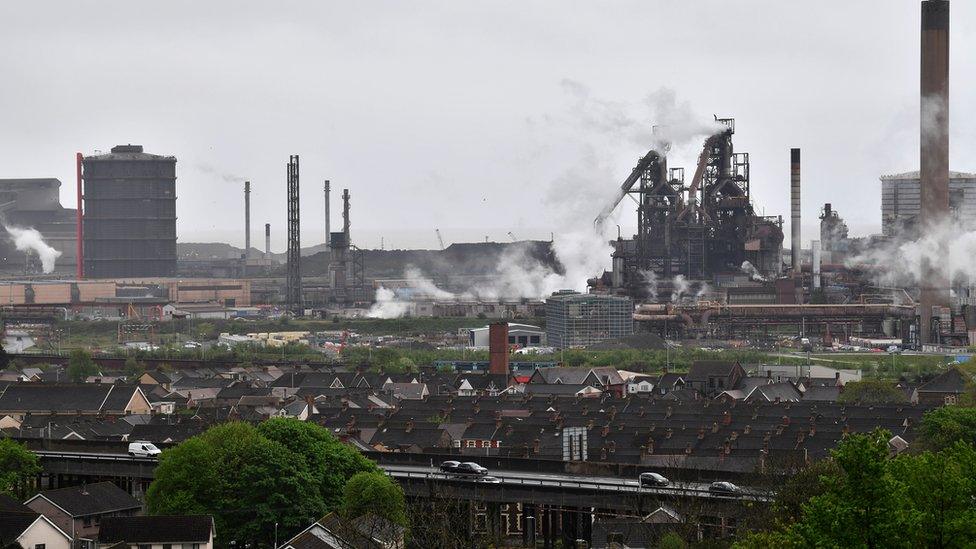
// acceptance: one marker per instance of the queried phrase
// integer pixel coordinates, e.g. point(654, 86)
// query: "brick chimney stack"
point(498, 348)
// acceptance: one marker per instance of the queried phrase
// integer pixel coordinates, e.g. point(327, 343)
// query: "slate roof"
point(91, 499)
point(703, 369)
point(44, 398)
point(950, 381)
point(156, 529)
point(12, 525)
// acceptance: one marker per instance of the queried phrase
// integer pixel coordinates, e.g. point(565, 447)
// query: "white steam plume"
point(679, 287)
point(702, 291)
point(387, 305)
point(899, 262)
point(226, 177)
point(31, 240)
point(650, 284)
point(752, 271)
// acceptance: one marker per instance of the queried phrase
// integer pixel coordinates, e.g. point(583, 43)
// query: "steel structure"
point(129, 222)
point(247, 220)
point(696, 230)
point(294, 280)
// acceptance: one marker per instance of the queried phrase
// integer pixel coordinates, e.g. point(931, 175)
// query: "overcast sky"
point(467, 116)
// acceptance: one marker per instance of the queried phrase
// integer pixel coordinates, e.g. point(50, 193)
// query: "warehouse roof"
point(915, 175)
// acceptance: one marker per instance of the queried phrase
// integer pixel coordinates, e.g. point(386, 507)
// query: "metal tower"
point(294, 282)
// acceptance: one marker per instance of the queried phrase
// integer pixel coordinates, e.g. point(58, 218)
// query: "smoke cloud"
point(387, 305)
point(899, 262)
point(751, 270)
point(679, 287)
point(31, 240)
point(225, 177)
point(650, 284)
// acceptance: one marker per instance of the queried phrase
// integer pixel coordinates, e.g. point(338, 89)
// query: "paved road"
point(504, 478)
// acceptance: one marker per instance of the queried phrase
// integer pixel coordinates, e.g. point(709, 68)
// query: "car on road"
point(450, 466)
point(490, 479)
point(142, 448)
point(471, 468)
point(722, 488)
point(653, 479)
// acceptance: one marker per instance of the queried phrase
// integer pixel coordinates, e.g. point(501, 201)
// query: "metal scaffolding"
point(294, 282)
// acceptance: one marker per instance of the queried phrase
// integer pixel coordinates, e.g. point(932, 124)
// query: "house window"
point(145, 546)
point(39, 546)
point(486, 444)
point(167, 546)
point(87, 521)
point(470, 443)
point(950, 400)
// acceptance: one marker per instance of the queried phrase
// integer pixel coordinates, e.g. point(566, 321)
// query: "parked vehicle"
point(450, 466)
point(653, 479)
point(141, 448)
point(722, 488)
point(490, 479)
point(471, 468)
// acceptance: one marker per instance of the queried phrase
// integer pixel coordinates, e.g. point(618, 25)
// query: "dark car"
point(722, 488)
point(653, 479)
point(450, 466)
point(471, 468)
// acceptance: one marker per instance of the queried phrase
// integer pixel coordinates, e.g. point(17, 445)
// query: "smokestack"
point(934, 150)
point(247, 220)
point(498, 348)
point(815, 244)
point(267, 241)
point(795, 209)
point(328, 218)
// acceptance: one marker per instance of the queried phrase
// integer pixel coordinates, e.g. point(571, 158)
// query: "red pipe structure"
point(79, 248)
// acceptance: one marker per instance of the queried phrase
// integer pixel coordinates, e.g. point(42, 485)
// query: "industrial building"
point(129, 219)
point(901, 199)
point(695, 230)
point(577, 320)
point(522, 335)
point(35, 203)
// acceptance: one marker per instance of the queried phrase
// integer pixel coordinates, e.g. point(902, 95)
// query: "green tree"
point(17, 464)
point(329, 461)
point(81, 365)
point(671, 540)
point(376, 493)
point(871, 391)
point(133, 368)
point(860, 508)
point(943, 427)
point(247, 481)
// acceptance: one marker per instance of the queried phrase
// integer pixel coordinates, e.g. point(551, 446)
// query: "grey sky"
point(457, 114)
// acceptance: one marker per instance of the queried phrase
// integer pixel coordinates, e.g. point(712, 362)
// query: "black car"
point(450, 466)
point(471, 468)
point(653, 479)
point(722, 488)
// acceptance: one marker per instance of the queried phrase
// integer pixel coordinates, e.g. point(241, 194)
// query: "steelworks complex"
point(702, 264)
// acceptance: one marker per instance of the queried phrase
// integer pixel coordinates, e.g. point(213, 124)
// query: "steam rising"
point(225, 177)
point(752, 271)
point(650, 284)
point(576, 196)
point(679, 287)
point(30, 240)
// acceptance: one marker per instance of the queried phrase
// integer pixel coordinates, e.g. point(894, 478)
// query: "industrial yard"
point(535, 276)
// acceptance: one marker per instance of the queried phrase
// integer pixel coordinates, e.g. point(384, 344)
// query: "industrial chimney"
point(795, 209)
point(328, 218)
point(267, 241)
point(498, 348)
point(815, 267)
point(247, 220)
point(934, 151)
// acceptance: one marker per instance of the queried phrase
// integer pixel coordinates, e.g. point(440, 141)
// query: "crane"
point(439, 238)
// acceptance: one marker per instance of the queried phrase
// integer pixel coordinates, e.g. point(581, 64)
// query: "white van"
point(142, 448)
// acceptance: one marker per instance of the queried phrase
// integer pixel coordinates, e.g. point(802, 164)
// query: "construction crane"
point(512, 236)
point(439, 238)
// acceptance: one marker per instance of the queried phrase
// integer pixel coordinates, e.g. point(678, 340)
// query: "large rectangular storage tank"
point(130, 214)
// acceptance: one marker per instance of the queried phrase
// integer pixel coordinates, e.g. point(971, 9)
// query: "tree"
point(133, 368)
point(17, 464)
point(943, 427)
point(374, 493)
point(871, 391)
point(671, 540)
point(81, 365)
point(246, 480)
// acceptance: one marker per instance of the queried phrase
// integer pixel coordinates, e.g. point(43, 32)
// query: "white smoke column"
point(31, 240)
point(899, 261)
point(679, 287)
point(387, 305)
point(650, 281)
point(425, 285)
point(752, 271)
point(702, 291)
point(676, 123)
